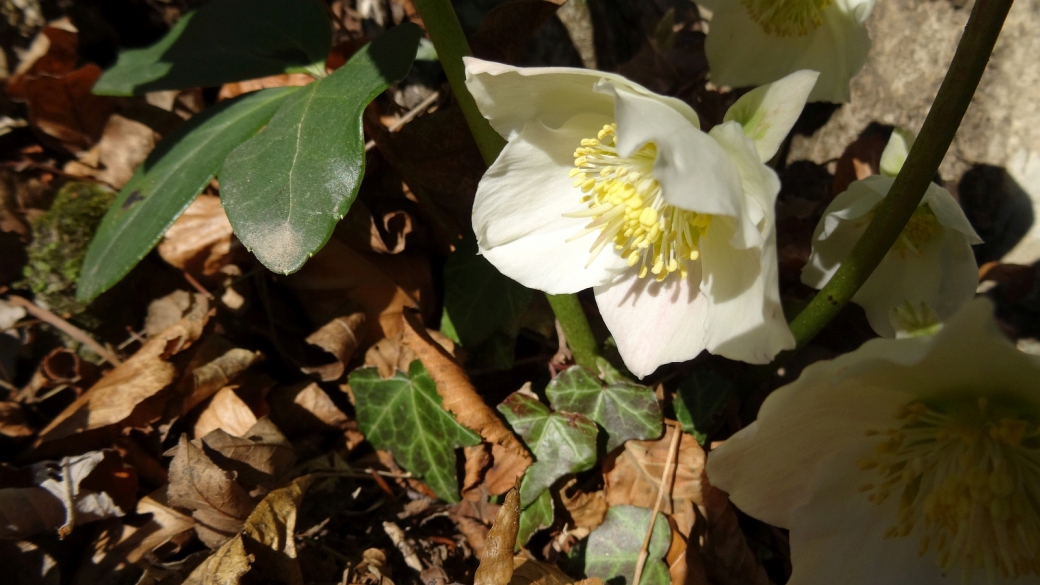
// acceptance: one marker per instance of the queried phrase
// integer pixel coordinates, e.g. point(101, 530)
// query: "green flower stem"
point(444, 29)
point(955, 93)
point(576, 329)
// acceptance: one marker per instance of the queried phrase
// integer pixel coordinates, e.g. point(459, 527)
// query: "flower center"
point(786, 18)
point(625, 203)
point(922, 227)
point(969, 472)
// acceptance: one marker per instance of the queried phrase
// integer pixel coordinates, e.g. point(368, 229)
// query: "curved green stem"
point(955, 93)
point(442, 24)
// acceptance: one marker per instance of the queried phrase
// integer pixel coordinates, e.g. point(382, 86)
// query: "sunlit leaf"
point(406, 416)
point(285, 189)
point(613, 548)
point(535, 517)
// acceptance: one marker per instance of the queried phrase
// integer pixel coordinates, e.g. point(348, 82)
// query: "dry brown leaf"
point(727, 558)
point(461, 399)
point(382, 284)
point(305, 408)
point(587, 509)
point(478, 460)
point(63, 109)
point(201, 241)
point(207, 379)
point(504, 32)
point(531, 572)
point(123, 146)
point(13, 423)
point(266, 543)
point(261, 456)
point(116, 396)
point(52, 52)
point(633, 476)
point(372, 570)
point(62, 494)
point(237, 88)
point(496, 562)
point(861, 158)
point(218, 503)
point(165, 311)
point(226, 412)
point(341, 338)
point(388, 356)
point(128, 542)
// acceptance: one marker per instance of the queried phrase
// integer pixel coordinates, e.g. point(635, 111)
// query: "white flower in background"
point(605, 184)
point(752, 42)
point(930, 270)
point(905, 462)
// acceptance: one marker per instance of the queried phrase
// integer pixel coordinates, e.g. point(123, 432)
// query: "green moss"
point(60, 240)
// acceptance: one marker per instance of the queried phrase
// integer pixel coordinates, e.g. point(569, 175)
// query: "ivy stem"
point(442, 24)
point(955, 93)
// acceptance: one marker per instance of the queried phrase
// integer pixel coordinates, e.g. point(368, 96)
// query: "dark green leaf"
point(699, 400)
point(225, 40)
point(535, 517)
point(562, 442)
point(285, 188)
point(181, 165)
point(625, 410)
point(613, 548)
point(406, 416)
point(479, 298)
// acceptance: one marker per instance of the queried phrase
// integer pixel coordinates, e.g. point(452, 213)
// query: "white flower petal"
point(758, 182)
point(768, 468)
point(741, 54)
point(907, 277)
point(654, 323)
point(693, 171)
point(519, 206)
point(949, 212)
point(745, 321)
point(768, 113)
point(511, 96)
point(896, 151)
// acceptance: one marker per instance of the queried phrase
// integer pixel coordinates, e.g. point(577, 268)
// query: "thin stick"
point(408, 117)
point(66, 327)
point(669, 467)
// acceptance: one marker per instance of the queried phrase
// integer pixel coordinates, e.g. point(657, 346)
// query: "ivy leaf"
point(535, 517)
point(478, 298)
point(179, 168)
point(562, 442)
point(625, 410)
point(406, 416)
point(285, 189)
point(613, 549)
point(699, 400)
point(225, 40)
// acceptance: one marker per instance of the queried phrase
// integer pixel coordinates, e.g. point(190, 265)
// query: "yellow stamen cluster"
point(627, 208)
point(922, 227)
point(787, 18)
point(968, 474)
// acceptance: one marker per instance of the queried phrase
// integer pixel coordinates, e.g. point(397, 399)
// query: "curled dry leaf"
point(225, 412)
point(587, 509)
point(460, 398)
point(634, 475)
point(62, 494)
point(63, 109)
point(217, 502)
point(165, 311)
point(305, 408)
point(531, 572)
point(496, 562)
point(123, 146)
point(201, 241)
point(13, 423)
point(727, 558)
point(372, 570)
point(261, 456)
point(266, 543)
point(207, 379)
point(128, 386)
point(237, 88)
point(340, 337)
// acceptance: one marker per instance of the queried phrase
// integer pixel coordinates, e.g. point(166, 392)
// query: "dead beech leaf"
point(372, 570)
point(727, 558)
point(226, 412)
point(62, 494)
point(123, 146)
point(531, 572)
point(218, 503)
point(261, 456)
point(13, 423)
point(266, 543)
point(52, 52)
point(460, 398)
point(587, 509)
point(63, 108)
point(115, 397)
point(200, 241)
point(341, 338)
point(305, 408)
point(165, 311)
point(633, 476)
point(207, 379)
point(496, 562)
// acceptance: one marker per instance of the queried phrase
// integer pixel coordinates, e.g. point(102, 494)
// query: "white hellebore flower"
point(605, 184)
point(751, 42)
point(930, 270)
point(906, 462)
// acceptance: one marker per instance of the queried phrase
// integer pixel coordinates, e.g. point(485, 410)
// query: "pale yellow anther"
point(787, 17)
point(648, 216)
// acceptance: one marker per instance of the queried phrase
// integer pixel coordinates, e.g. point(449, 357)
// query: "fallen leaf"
point(461, 399)
point(496, 561)
point(527, 571)
point(372, 570)
point(64, 109)
point(62, 494)
point(27, 563)
point(13, 423)
point(305, 408)
point(207, 379)
point(200, 242)
point(218, 503)
point(116, 396)
point(504, 32)
point(633, 476)
point(861, 158)
point(261, 456)
point(587, 509)
point(227, 412)
point(727, 558)
point(163, 312)
point(340, 337)
point(52, 52)
point(614, 547)
point(123, 146)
